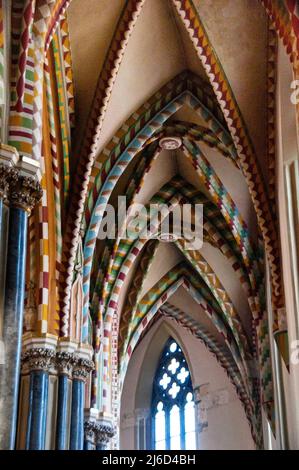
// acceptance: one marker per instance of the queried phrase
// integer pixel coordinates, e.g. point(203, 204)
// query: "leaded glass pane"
point(172, 402)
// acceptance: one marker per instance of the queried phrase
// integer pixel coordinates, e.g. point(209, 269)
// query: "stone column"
point(81, 371)
point(39, 357)
point(105, 431)
point(24, 193)
point(65, 362)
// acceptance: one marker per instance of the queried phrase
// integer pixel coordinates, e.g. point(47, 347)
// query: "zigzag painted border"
point(239, 134)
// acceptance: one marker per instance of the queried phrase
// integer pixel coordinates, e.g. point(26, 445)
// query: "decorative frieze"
point(65, 356)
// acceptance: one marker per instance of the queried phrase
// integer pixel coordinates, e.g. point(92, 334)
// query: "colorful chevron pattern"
point(41, 118)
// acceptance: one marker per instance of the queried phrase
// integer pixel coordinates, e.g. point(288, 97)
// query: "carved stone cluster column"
point(98, 430)
point(46, 356)
point(20, 191)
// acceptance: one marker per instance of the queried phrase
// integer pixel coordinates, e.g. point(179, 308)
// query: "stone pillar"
point(105, 431)
point(82, 368)
point(65, 361)
point(24, 193)
point(38, 358)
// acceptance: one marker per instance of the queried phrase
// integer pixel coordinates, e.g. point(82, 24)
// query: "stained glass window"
point(173, 411)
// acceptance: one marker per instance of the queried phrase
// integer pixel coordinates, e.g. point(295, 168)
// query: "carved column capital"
point(65, 363)
point(8, 176)
point(104, 433)
point(39, 359)
point(90, 431)
point(82, 368)
point(25, 192)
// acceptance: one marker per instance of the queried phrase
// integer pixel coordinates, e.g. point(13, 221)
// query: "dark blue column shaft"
point(4, 214)
point(77, 419)
point(38, 404)
point(62, 413)
point(88, 445)
point(12, 325)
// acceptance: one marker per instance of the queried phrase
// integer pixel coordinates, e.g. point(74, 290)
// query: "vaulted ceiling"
point(218, 286)
point(168, 101)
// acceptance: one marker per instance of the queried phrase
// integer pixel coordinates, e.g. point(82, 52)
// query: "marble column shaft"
point(12, 325)
point(23, 195)
point(64, 364)
point(77, 419)
point(81, 371)
point(38, 404)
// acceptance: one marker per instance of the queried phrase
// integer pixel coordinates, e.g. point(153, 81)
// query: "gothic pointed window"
point(173, 411)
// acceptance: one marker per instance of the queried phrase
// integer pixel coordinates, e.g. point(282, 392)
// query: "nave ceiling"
point(200, 74)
